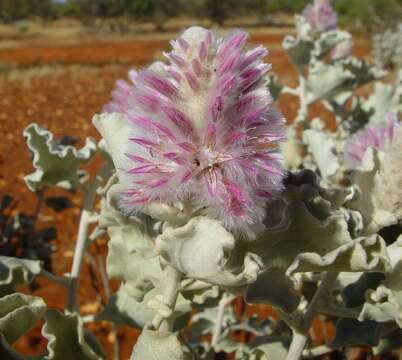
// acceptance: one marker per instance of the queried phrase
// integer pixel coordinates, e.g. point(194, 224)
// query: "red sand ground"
point(64, 99)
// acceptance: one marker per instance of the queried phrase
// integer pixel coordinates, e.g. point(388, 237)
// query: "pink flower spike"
point(152, 125)
point(210, 136)
point(136, 158)
point(176, 59)
point(229, 63)
point(269, 168)
point(173, 156)
point(175, 75)
point(147, 101)
point(217, 107)
point(269, 138)
point(265, 194)
point(250, 76)
point(236, 40)
point(253, 55)
point(227, 84)
point(245, 102)
point(187, 176)
point(203, 130)
point(211, 180)
point(119, 96)
point(202, 51)
point(187, 147)
point(159, 183)
point(178, 118)
point(123, 85)
point(197, 67)
point(161, 85)
point(320, 15)
point(378, 137)
point(145, 143)
point(236, 198)
point(391, 126)
point(132, 75)
point(235, 137)
point(192, 81)
point(183, 44)
point(145, 169)
point(209, 39)
point(251, 117)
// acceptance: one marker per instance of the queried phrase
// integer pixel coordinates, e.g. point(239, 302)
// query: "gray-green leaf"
point(365, 178)
point(54, 164)
point(273, 287)
point(18, 313)
point(67, 338)
point(14, 272)
point(155, 345)
point(202, 248)
point(385, 302)
point(323, 149)
point(125, 309)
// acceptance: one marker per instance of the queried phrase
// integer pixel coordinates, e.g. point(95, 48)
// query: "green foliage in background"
point(362, 15)
point(11, 10)
point(368, 14)
point(288, 6)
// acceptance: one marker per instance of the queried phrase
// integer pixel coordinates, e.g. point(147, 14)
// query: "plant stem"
point(300, 333)
point(106, 288)
point(299, 341)
point(88, 318)
point(60, 280)
point(116, 343)
point(103, 274)
point(303, 109)
point(317, 351)
point(224, 301)
point(342, 312)
point(40, 194)
point(92, 265)
point(82, 238)
point(173, 279)
point(97, 232)
point(79, 253)
point(289, 90)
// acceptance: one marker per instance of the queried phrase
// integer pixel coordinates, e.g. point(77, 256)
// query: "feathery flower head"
point(378, 137)
point(320, 15)
point(204, 130)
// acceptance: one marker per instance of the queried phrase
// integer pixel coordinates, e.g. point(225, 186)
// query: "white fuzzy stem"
point(88, 318)
point(297, 346)
point(225, 300)
point(79, 253)
point(87, 218)
point(300, 333)
point(289, 90)
point(96, 233)
point(303, 109)
point(173, 279)
point(116, 344)
point(106, 287)
point(317, 351)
